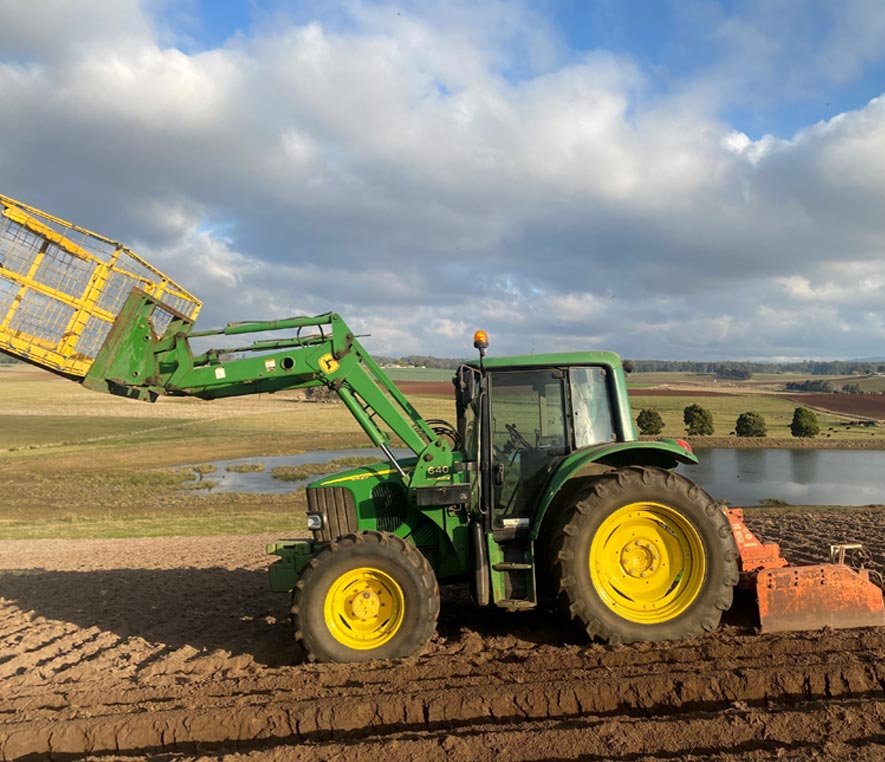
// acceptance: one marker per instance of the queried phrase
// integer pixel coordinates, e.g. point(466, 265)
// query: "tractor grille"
point(337, 505)
point(390, 506)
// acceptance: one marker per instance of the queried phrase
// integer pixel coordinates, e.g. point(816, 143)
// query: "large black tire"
point(387, 557)
point(685, 505)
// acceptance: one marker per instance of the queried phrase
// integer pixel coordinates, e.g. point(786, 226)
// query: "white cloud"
point(57, 30)
point(391, 170)
point(451, 329)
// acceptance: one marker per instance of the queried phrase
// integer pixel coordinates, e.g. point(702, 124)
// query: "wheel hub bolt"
point(640, 558)
point(366, 605)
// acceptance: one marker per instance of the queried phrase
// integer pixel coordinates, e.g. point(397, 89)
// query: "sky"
point(692, 180)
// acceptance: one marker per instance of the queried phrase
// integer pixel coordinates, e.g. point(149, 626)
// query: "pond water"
point(741, 477)
point(262, 481)
point(800, 477)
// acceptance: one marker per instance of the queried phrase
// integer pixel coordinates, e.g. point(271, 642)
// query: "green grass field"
point(868, 384)
point(75, 463)
point(30, 431)
point(664, 378)
point(726, 408)
point(782, 378)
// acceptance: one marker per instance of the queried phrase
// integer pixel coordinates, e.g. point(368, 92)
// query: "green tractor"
point(541, 494)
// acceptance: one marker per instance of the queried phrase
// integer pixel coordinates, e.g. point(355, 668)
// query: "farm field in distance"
point(765, 393)
point(420, 374)
point(671, 392)
point(777, 410)
point(75, 463)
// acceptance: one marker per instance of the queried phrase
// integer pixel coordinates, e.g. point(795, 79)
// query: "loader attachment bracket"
point(294, 555)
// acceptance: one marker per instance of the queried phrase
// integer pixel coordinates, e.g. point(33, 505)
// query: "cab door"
point(529, 435)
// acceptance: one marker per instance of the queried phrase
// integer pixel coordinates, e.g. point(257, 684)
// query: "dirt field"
point(681, 392)
point(173, 647)
point(861, 405)
point(433, 388)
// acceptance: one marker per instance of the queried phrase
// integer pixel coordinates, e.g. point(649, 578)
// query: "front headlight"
point(314, 521)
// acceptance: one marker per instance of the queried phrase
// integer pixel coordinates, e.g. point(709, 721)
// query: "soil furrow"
point(848, 730)
point(115, 648)
point(194, 720)
point(429, 674)
point(45, 661)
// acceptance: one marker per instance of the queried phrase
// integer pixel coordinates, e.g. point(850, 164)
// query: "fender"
point(666, 453)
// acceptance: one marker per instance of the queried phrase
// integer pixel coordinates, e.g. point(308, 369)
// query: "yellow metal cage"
point(62, 287)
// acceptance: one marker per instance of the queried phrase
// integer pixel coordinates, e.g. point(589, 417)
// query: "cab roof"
point(556, 359)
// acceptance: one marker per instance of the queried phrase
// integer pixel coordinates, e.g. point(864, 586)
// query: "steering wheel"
point(516, 438)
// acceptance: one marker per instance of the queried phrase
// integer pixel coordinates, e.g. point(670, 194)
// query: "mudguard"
point(664, 453)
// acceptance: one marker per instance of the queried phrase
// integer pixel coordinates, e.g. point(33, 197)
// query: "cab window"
point(591, 407)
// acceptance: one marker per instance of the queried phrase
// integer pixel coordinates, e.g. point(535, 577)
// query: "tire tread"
point(564, 550)
point(313, 641)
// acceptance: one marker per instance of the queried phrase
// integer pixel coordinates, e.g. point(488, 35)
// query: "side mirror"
point(466, 385)
point(629, 366)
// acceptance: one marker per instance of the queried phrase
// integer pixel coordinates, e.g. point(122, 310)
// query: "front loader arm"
point(134, 362)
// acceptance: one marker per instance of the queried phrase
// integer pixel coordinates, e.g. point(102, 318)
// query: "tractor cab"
point(521, 417)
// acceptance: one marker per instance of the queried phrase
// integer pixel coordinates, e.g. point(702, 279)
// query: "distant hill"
point(422, 361)
point(733, 369)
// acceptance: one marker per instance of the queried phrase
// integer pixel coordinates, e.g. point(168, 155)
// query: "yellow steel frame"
point(62, 355)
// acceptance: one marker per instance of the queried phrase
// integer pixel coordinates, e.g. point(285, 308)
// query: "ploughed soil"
point(433, 388)
point(173, 648)
point(860, 405)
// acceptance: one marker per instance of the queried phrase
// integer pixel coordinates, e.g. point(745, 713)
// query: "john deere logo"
point(328, 364)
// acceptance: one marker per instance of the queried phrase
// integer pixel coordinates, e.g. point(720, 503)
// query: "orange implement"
point(754, 555)
point(823, 595)
point(805, 597)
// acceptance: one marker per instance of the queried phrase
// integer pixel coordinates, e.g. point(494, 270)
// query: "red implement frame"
point(804, 597)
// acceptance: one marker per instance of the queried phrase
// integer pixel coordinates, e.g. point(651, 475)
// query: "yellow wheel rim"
point(647, 563)
point(364, 608)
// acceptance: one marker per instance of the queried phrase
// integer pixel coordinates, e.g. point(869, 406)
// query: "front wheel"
point(644, 554)
point(366, 596)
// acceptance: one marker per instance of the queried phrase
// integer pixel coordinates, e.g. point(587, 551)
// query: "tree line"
point(423, 361)
point(819, 385)
point(699, 422)
point(729, 369)
point(726, 369)
point(743, 370)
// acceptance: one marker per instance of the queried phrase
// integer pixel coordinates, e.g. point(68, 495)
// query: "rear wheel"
point(366, 596)
point(644, 554)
